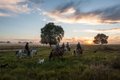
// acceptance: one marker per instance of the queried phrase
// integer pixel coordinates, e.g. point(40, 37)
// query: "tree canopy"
point(100, 39)
point(51, 34)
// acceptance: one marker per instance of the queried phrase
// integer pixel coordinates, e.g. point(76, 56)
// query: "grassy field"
point(103, 64)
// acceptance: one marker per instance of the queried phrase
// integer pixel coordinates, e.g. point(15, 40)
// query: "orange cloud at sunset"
point(112, 30)
point(114, 40)
point(76, 16)
point(13, 7)
point(84, 40)
point(9, 1)
point(58, 17)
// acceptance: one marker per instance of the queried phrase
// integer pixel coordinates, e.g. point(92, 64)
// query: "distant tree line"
point(5, 42)
point(20, 42)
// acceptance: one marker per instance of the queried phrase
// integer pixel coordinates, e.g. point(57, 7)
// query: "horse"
point(56, 53)
point(68, 48)
point(78, 51)
point(22, 53)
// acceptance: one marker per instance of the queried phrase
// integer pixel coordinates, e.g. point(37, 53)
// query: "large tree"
point(100, 39)
point(51, 34)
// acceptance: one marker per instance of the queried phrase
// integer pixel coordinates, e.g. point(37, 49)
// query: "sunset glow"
point(89, 42)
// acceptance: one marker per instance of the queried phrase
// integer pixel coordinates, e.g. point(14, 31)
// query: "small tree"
point(100, 39)
point(51, 34)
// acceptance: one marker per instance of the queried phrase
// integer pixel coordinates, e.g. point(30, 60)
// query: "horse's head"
point(33, 51)
point(62, 48)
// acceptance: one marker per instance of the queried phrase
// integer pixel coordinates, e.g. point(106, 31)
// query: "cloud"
point(108, 15)
point(71, 18)
point(8, 1)
point(4, 14)
point(37, 1)
point(82, 40)
point(114, 39)
point(71, 12)
point(13, 6)
point(112, 30)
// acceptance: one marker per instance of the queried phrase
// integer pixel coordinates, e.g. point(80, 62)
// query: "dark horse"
point(56, 53)
point(68, 48)
point(77, 52)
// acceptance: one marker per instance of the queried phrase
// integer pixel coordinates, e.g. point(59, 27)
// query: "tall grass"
point(102, 65)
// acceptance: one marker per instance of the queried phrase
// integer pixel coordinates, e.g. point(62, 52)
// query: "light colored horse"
point(22, 53)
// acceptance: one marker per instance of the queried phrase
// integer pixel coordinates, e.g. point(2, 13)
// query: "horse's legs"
point(68, 49)
point(31, 54)
point(74, 52)
point(81, 52)
point(36, 53)
point(51, 56)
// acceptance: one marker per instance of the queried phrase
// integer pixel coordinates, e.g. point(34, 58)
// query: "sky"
point(21, 20)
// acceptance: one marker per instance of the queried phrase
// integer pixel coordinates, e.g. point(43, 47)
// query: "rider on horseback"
point(27, 49)
point(78, 49)
point(57, 52)
point(57, 47)
point(68, 46)
point(79, 46)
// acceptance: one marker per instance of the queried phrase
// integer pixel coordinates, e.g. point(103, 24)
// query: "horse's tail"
point(81, 51)
point(16, 52)
point(74, 52)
